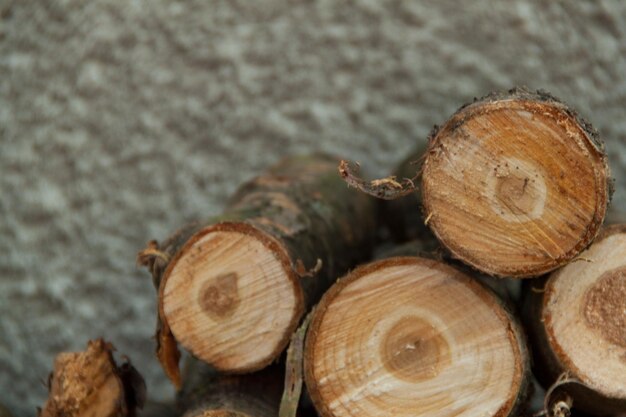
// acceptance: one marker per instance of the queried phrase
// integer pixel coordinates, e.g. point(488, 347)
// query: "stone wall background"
point(120, 120)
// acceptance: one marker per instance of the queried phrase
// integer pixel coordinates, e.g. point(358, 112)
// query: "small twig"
point(580, 258)
point(384, 188)
point(430, 215)
point(538, 290)
point(147, 256)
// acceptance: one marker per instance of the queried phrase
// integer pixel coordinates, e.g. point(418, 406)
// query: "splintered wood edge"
point(593, 146)
point(561, 353)
point(279, 251)
point(90, 382)
point(521, 389)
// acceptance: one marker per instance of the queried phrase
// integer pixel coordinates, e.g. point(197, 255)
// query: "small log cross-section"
point(233, 290)
point(91, 384)
point(577, 325)
point(206, 393)
point(515, 184)
point(409, 336)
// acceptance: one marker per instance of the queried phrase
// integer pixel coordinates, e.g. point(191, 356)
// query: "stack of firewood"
point(279, 319)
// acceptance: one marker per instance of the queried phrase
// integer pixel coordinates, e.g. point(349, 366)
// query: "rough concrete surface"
point(120, 120)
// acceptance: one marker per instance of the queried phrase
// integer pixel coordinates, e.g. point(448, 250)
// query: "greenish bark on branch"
point(206, 393)
point(301, 203)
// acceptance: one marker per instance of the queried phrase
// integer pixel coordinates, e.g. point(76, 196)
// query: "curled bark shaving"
point(388, 188)
point(302, 271)
point(168, 353)
point(155, 257)
point(557, 403)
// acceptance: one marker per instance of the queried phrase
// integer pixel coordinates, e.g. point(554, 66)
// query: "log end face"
point(584, 314)
point(230, 286)
point(413, 337)
point(515, 187)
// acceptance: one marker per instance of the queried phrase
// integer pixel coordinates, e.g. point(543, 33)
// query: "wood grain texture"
point(576, 319)
point(90, 383)
point(515, 184)
point(410, 336)
point(120, 120)
point(246, 277)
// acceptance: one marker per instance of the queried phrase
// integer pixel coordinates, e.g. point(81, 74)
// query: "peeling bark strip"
point(515, 184)
point(294, 371)
point(408, 337)
point(91, 384)
point(403, 216)
point(401, 205)
point(577, 325)
point(386, 188)
point(233, 290)
point(206, 393)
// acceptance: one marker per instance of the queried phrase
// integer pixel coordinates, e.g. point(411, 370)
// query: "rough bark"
point(303, 213)
point(508, 290)
point(599, 306)
point(91, 383)
point(374, 295)
point(156, 409)
point(206, 393)
point(515, 184)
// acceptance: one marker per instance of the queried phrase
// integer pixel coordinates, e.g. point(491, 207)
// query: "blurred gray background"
point(120, 120)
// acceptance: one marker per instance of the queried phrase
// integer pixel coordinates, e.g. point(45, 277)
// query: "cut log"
point(515, 184)
point(577, 325)
point(409, 336)
point(90, 383)
point(233, 290)
point(206, 393)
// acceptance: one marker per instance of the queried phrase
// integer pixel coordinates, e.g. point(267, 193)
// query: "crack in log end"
point(513, 190)
point(605, 306)
point(219, 297)
point(519, 191)
point(413, 350)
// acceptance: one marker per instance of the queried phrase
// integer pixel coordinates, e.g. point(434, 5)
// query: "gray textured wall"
point(119, 120)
